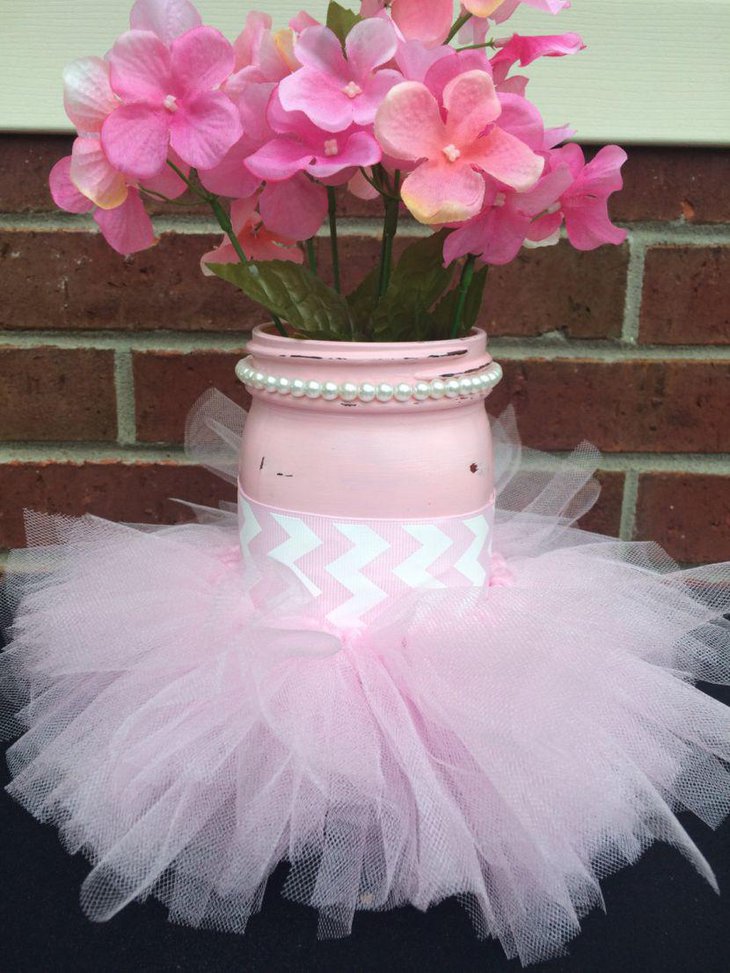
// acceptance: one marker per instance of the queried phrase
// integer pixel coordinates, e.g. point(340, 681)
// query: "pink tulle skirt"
point(188, 724)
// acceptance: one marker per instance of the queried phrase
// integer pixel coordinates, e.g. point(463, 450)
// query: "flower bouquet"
point(397, 665)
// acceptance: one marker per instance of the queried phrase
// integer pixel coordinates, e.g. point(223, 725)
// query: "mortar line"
point(550, 347)
point(124, 387)
point(634, 290)
point(629, 502)
point(717, 464)
point(648, 232)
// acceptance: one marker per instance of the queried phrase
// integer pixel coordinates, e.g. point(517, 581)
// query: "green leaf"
point(294, 294)
point(418, 279)
point(443, 313)
point(340, 20)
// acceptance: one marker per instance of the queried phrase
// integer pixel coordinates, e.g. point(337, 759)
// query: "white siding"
point(655, 70)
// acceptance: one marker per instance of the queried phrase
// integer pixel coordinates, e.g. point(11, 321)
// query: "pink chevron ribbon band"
point(353, 567)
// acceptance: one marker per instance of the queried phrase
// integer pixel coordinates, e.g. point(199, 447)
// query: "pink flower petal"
point(280, 159)
point(546, 192)
point(232, 177)
point(201, 59)
point(602, 175)
point(472, 103)
point(438, 193)
point(319, 96)
point(294, 209)
point(529, 49)
point(428, 21)
point(248, 42)
point(454, 63)
point(365, 106)
point(370, 44)
point(166, 18)
point(140, 67)
point(87, 94)
point(204, 129)
point(505, 157)
point(135, 140)
point(353, 151)
point(408, 123)
point(589, 226)
point(65, 195)
point(415, 60)
point(128, 228)
point(243, 211)
point(251, 99)
point(94, 176)
point(481, 8)
point(224, 254)
point(167, 181)
point(522, 119)
point(361, 188)
point(319, 49)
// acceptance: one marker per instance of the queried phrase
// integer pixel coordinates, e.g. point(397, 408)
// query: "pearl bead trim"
point(298, 388)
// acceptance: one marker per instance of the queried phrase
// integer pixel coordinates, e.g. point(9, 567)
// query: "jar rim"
point(268, 334)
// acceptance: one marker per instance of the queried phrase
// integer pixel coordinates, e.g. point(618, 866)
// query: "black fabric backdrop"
point(661, 918)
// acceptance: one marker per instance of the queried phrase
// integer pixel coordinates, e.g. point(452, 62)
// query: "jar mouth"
point(274, 340)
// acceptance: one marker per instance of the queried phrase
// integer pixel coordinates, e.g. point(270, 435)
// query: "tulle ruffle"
point(187, 723)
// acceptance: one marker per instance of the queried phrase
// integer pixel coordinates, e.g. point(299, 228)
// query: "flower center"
point(331, 147)
point(451, 152)
point(170, 103)
point(352, 89)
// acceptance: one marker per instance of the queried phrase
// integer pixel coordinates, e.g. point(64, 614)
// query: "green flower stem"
point(311, 254)
point(475, 47)
point(390, 228)
point(458, 24)
point(332, 207)
point(467, 275)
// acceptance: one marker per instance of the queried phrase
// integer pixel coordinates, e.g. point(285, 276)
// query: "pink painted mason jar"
point(366, 468)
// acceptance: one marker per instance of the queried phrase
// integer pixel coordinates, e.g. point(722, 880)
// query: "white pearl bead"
point(438, 389)
point(272, 383)
point(283, 386)
point(298, 388)
point(258, 379)
point(367, 392)
point(384, 392)
point(466, 385)
point(403, 392)
point(452, 388)
point(330, 391)
point(348, 391)
point(422, 391)
point(313, 390)
point(498, 373)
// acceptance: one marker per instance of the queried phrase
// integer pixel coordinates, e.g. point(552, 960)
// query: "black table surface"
point(661, 918)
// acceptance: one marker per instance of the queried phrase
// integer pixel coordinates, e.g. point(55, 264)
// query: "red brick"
point(674, 183)
point(59, 394)
point(686, 296)
point(629, 406)
point(74, 281)
point(131, 492)
point(688, 514)
point(605, 516)
point(558, 289)
point(167, 384)
point(25, 164)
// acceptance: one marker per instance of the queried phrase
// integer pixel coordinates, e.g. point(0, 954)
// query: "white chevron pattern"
point(301, 541)
point(250, 527)
point(414, 570)
point(367, 546)
point(469, 564)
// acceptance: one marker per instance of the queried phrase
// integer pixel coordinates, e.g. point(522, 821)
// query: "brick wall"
point(629, 347)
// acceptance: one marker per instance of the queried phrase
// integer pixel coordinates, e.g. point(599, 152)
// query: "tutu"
point(190, 718)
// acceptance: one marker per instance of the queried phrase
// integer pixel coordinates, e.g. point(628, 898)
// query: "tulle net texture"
point(187, 721)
